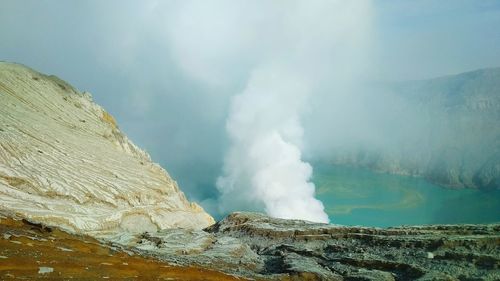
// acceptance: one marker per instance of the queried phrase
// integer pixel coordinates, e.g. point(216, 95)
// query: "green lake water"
point(357, 196)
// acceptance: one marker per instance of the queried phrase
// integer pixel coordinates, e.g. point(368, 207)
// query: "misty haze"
point(134, 121)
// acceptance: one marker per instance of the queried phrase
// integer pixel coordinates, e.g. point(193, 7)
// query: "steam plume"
point(264, 160)
point(299, 45)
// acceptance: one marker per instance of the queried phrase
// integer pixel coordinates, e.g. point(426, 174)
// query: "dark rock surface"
point(256, 246)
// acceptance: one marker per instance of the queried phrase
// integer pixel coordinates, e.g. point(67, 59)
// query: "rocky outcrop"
point(64, 162)
point(31, 251)
point(444, 129)
point(256, 246)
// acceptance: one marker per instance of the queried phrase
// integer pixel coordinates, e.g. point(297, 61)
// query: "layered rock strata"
point(256, 246)
point(64, 162)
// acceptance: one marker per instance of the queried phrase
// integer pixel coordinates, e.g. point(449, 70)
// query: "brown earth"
point(27, 248)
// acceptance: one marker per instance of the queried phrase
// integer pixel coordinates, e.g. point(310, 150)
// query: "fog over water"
point(236, 98)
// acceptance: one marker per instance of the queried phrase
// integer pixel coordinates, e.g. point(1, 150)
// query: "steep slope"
point(64, 162)
point(445, 129)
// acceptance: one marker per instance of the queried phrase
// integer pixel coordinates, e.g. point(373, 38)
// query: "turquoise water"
point(356, 196)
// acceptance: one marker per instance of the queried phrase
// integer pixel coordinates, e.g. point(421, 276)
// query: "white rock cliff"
point(64, 162)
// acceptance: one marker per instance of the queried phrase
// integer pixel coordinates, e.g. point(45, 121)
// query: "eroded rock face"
point(257, 246)
point(64, 162)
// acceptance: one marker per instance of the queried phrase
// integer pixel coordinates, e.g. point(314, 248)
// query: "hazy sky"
point(168, 70)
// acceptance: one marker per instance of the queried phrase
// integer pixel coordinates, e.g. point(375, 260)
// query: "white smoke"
point(282, 52)
point(264, 160)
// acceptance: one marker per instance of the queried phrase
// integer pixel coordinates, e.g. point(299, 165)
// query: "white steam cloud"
point(264, 161)
point(288, 51)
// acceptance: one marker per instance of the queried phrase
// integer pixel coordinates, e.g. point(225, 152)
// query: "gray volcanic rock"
point(445, 129)
point(256, 246)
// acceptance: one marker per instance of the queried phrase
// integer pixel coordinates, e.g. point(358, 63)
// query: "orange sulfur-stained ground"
point(33, 252)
